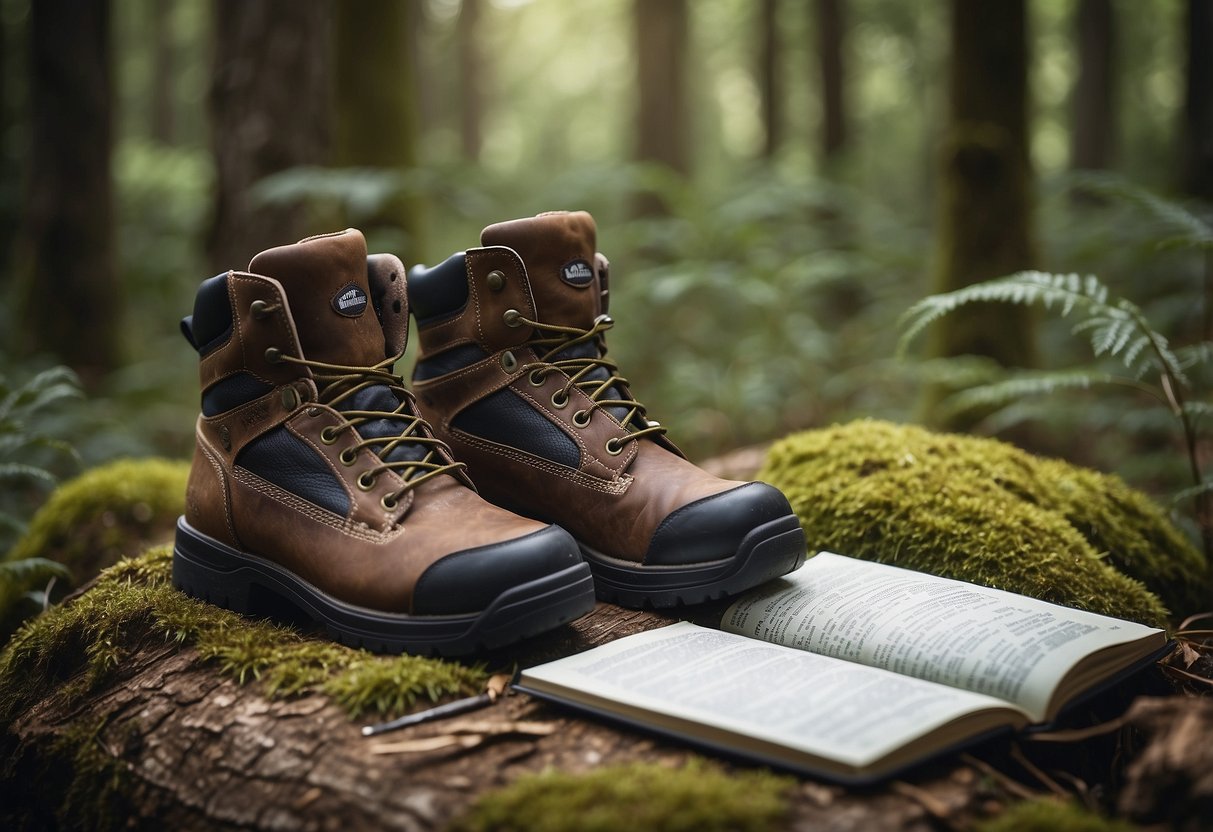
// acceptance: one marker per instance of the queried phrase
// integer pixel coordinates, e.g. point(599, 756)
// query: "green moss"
point(1048, 815)
point(983, 511)
point(115, 510)
point(700, 797)
point(77, 648)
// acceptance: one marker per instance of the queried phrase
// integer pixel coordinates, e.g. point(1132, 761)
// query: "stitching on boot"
point(205, 447)
point(312, 511)
point(616, 486)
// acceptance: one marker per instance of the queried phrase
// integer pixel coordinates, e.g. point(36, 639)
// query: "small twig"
point(1053, 786)
point(1005, 780)
point(932, 804)
point(1079, 734)
point(496, 685)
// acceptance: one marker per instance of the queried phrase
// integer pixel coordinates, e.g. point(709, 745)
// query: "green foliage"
point(1050, 815)
point(699, 797)
point(1128, 350)
point(79, 647)
point(983, 511)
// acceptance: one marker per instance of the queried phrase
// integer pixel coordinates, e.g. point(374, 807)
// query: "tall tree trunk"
point(1198, 102)
point(1093, 98)
point(376, 115)
point(270, 104)
point(986, 194)
point(830, 41)
point(770, 89)
point(471, 79)
point(70, 299)
point(164, 49)
point(661, 32)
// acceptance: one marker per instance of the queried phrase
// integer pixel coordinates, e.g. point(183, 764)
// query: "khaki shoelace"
point(553, 339)
point(340, 382)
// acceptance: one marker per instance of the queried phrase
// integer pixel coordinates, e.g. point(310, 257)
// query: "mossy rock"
point(75, 648)
point(699, 797)
point(984, 511)
point(1047, 815)
point(106, 513)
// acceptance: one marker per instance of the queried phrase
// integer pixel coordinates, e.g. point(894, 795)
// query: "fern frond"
point(1191, 492)
point(1189, 230)
point(27, 570)
point(1198, 410)
point(1026, 383)
point(1194, 355)
point(21, 471)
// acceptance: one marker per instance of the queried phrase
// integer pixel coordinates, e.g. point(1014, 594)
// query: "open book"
point(871, 668)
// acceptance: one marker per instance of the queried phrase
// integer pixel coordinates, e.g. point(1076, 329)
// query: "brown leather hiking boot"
point(316, 482)
point(513, 374)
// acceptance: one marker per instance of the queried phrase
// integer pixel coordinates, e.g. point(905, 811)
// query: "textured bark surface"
point(270, 107)
point(183, 747)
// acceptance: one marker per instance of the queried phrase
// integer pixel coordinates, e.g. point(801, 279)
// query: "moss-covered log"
point(984, 511)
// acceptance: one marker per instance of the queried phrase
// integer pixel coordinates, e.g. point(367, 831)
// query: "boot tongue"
point(325, 279)
point(558, 251)
point(326, 284)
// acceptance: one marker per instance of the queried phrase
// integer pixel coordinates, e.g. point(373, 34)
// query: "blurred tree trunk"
point(986, 178)
point(830, 35)
point(270, 106)
point(1093, 98)
point(770, 88)
point(662, 128)
point(471, 79)
point(163, 71)
point(1198, 102)
point(70, 299)
point(376, 114)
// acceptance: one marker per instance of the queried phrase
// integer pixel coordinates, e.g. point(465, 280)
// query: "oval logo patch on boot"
point(577, 273)
point(350, 301)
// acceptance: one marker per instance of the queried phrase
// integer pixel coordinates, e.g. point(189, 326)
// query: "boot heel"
point(206, 579)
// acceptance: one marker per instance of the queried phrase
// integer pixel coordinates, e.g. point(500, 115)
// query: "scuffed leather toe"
point(713, 528)
point(468, 581)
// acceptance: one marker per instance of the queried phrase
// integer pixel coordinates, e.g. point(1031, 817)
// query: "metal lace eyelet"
point(328, 436)
point(313, 411)
point(273, 355)
point(348, 457)
point(560, 400)
point(537, 377)
point(366, 481)
point(290, 398)
point(512, 318)
point(581, 418)
point(259, 309)
point(496, 280)
point(508, 362)
point(614, 447)
point(388, 503)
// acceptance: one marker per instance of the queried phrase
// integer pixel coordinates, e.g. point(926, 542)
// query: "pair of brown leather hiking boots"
point(322, 486)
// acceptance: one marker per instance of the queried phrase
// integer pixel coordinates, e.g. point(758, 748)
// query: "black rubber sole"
point(211, 571)
point(769, 551)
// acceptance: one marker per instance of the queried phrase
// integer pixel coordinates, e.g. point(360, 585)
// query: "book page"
point(829, 708)
point(958, 634)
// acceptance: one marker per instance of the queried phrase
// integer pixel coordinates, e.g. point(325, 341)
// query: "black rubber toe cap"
point(713, 528)
point(468, 581)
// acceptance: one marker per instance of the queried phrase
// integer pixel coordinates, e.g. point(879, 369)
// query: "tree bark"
point(661, 32)
point(770, 88)
point(471, 79)
point(270, 110)
point(985, 222)
point(163, 121)
point(376, 124)
point(70, 298)
point(170, 743)
point(831, 28)
point(1198, 102)
point(1093, 97)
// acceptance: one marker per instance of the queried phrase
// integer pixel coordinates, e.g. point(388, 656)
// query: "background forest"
point(775, 183)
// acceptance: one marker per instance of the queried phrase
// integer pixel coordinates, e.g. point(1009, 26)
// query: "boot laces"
point(337, 382)
point(595, 375)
